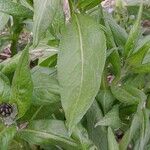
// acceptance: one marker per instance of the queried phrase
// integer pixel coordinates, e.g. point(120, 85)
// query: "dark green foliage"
point(78, 78)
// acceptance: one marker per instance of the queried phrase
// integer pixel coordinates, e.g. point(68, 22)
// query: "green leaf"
point(112, 143)
point(97, 134)
point(146, 58)
point(133, 35)
point(50, 61)
point(22, 87)
point(125, 113)
point(147, 147)
point(136, 3)
point(131, 132)
point(19, 144)
point(58, 22)
point(4, 88)
point(137, 57)
point(6, 136)
point(81, 135)
point(50, 58)
point(96, 13)
point(115, 60)
point(45, 88)
point(3, 20)
point(106, 99)
point(15, 9)
point(26, 4)
point(124, 96)
point(110, 119)
point(138, 81)
point(46, 111)
point(114, 57)
point(9, 65)
point(136, 92)
point(47, 132)
point(80, 66)
point(5, 39)
point(87, 4)
point(133, 10)
point(43, 17)
point(145, 130)
point(142, 42)
point(43, 50)
point(41, 112)
point(140, 69)
point(119, 34)
point(52, 72)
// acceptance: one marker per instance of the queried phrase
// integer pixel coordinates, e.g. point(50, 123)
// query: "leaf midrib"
point(82, 67)
point(51, 136)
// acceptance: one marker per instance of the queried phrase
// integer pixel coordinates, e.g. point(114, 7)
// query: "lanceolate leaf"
point(9, 65)
point(137, 58)
point(142, 42)
point(43, 17)
point(128, 136)
point(26, 4)
point(80, 66)
point(87, 4)
point(145, 130)
point(119, 34)
point(143, 68)
point(114, 56)
point(47, 132)
point(106, 99)
point(124, 96)
point(81, 135)
point(46, 88)
point(116, 63)
point(6, 135)
point(110, 119)
point(133, 35)
point(112, 143)
point(97, 134)
point(3, 20)
point(15, 9)
point(133, 10)
point(4, 88)
point(22, 84)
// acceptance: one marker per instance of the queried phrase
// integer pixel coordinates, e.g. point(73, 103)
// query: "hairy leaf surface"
point(43, 17)
point(14, 9)
point(80, 66)
point(22, 84)
point(47, 132)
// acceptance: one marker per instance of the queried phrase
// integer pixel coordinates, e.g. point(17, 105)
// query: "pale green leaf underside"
point(43, 16)
point(80, 65)
point(3, 20)
point(46, 132)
